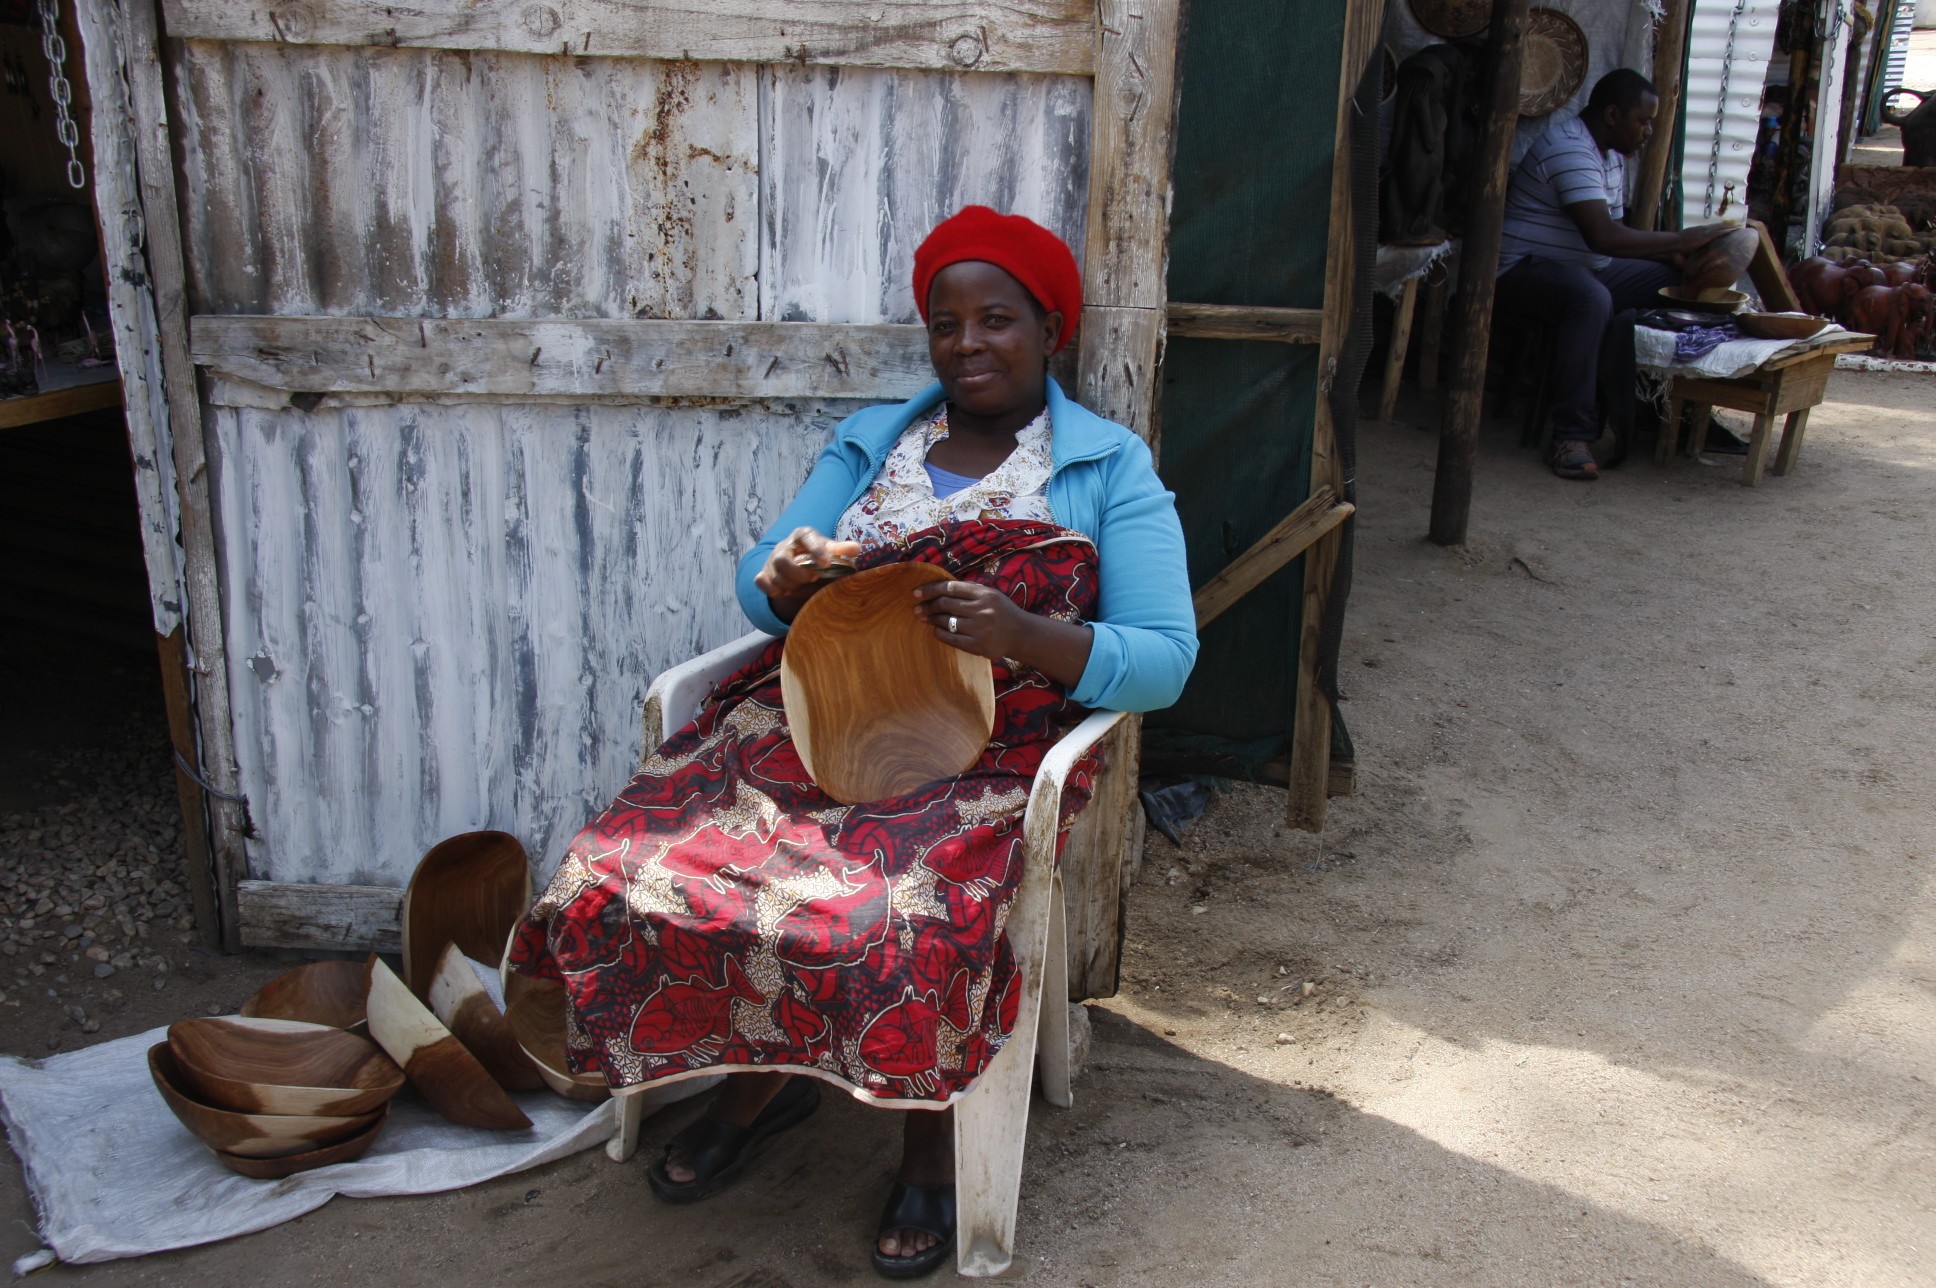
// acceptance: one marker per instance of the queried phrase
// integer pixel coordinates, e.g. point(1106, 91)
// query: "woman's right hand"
point(792, 572)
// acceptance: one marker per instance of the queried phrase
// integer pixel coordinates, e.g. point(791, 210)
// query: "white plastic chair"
point(991, 1122)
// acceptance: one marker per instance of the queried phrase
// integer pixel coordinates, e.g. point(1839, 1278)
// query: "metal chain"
point(1720, 109)
point(69, 133)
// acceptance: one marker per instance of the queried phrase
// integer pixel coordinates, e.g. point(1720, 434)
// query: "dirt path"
point(1624, 954)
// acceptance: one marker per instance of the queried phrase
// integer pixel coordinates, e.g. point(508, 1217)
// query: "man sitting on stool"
point(1568, 263)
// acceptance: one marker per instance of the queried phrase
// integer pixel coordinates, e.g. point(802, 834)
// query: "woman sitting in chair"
point(726, 915)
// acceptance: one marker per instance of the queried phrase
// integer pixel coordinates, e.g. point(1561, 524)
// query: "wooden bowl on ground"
point(878, 706)
point(332, 993)
point(458, 1000)
point(262, 1066)
point(1722, 261)
point(248, 1135)
point(537, 1017)
point(468, 890)
point(1779, 326)
point(274, 1169)
point(447, 1074)
point(1712, 300)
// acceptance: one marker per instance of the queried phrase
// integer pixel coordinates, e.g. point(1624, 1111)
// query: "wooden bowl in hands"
point(248, 1135)
point(332, 993)
point(468, 890)
point(878, 706)
point(261, 1066)
point(274, 1169)
point(1722, 261)
point(438, 1065)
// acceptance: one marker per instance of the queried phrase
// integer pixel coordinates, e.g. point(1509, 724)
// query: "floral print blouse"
point(901, 501)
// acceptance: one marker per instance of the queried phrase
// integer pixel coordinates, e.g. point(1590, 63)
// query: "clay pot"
point(248, 1135)
point(878, 706)
point(262, 1066)
point(331, 993)
point(438, 1065)
point(274, 1169)
point(468, 890)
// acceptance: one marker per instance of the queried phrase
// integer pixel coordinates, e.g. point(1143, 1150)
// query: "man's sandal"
point(924, 1209)
point(1572, 458)
point(718, 1152)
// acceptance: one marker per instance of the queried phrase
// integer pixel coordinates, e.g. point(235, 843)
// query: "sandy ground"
point(1625, 950)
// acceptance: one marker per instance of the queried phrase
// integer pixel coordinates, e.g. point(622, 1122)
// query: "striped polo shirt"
point(1564, 167)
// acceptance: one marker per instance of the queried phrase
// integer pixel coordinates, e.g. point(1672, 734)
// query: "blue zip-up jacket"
point(1102, 484)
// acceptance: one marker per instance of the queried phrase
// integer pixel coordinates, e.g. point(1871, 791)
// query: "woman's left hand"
point(975, 618)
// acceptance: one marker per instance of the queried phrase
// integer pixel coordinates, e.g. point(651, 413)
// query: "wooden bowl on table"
point(878, 706)
point(332, 993)
point(262, 1066)
point(1780, 326)
point(249, 1135)
point(275, 1169)
point(468, 890)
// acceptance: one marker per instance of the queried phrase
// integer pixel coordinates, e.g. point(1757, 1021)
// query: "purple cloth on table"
point(1697, 342)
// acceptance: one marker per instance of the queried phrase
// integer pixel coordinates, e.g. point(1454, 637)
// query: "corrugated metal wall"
point(444, 615)
point(1728, 46)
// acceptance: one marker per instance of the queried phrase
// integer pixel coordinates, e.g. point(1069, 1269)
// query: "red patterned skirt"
point(725, 914)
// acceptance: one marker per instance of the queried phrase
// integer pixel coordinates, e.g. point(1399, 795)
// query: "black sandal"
point(925, 1209)
point(719, 1152)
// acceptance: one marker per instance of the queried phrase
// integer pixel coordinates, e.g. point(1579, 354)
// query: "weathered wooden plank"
point(1126, 259)
point(980, 35)
point(31, 409)
point(321, 918)
point(1240, 322)
point(208, 658)
point(589, 358)
point(459, 630)
point(1116, 377)
point(1292, 535)
point(859, 164)
point(437, 183)
point(1311, 730)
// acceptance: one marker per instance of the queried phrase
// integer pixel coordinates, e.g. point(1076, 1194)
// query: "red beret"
point(1030, 253)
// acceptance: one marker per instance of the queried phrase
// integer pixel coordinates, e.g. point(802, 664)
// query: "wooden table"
point(31, 409)
point(1788, 384)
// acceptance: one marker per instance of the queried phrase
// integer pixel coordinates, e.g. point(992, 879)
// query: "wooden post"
point(1471, 330)
point(1670, 51)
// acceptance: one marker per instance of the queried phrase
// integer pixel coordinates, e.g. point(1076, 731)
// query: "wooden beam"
point(1292, 536)
point(1310, 751)
point(587, 357)
point(1126, 249)
point(1769, 277)
point(1670, 51)
point(207, 661)
point(1472, 324)
point(320, 918)
point(1401, 338)
point(176, 684)
point(1239, 322)
point(962, 35)
point(31, 409)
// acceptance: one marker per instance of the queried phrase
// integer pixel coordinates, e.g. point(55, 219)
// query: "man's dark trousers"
point(1575, 302)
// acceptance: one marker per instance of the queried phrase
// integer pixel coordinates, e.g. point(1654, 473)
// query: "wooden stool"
point(1788, 386)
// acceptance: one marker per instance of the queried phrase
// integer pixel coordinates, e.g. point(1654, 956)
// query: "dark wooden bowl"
point(468, 890)
point(878, 706)
point(458, 1000)
point(262, 1066)
point(247, 1135)
point(537, 1017)
point(1715, 300)
point(274, 1169)
point(1722, 261)
point(1779, 326)
point(331, 993)
point(438, 1065)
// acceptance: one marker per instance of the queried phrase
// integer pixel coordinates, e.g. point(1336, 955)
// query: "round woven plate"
point(1555, 62)
point(1453, 19)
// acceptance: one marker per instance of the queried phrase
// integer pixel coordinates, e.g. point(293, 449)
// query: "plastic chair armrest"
point(674, 698)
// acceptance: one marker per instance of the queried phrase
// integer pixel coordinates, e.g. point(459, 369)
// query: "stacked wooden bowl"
point(275, 1097)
